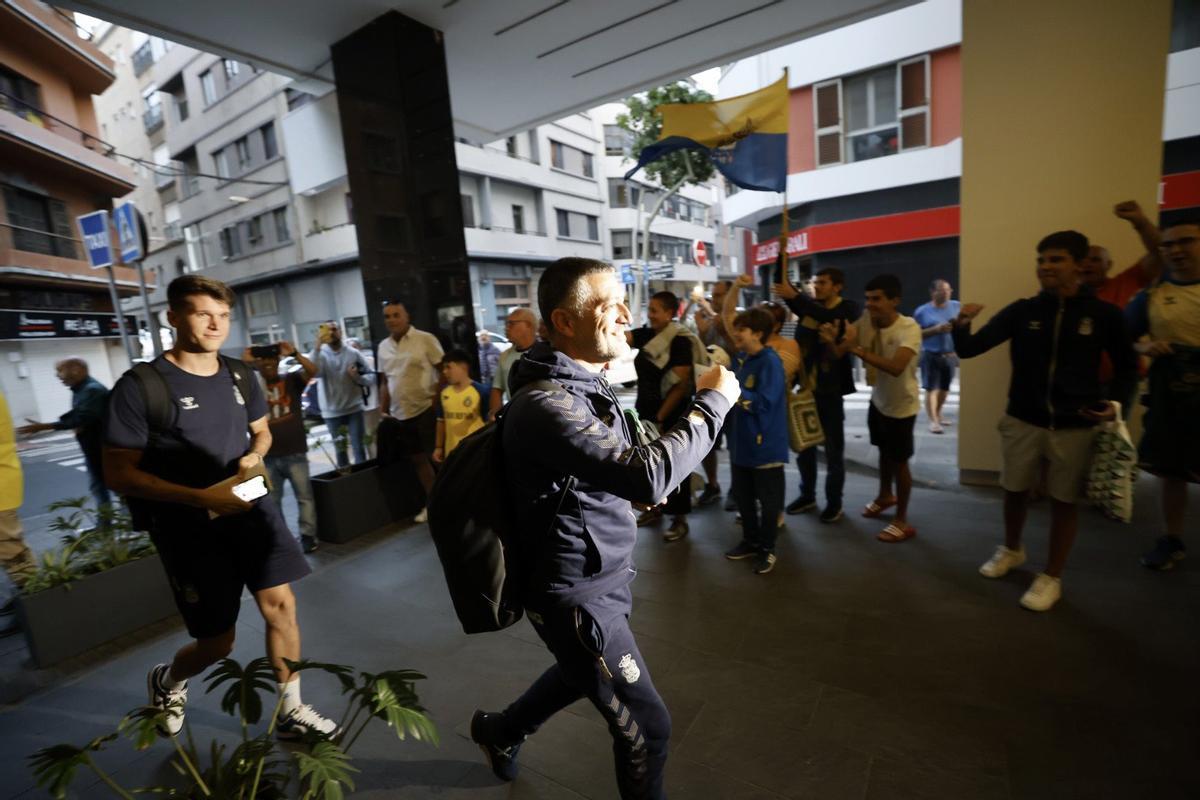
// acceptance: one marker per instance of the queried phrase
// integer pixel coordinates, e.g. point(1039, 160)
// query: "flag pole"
point(783, 229)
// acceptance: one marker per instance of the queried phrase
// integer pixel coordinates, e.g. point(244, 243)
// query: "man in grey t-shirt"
point(343, 373)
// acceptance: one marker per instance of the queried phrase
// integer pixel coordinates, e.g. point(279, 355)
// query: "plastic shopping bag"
point(1113, 470)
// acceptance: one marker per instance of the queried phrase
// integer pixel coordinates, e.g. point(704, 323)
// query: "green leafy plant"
point(258, 768)
point(94, 539)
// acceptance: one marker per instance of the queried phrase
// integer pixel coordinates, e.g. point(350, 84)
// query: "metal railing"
point(152, 118)
point(29, 113)
point(501, 229)
point(32, 240)
point(143, 58)
point(173, 232)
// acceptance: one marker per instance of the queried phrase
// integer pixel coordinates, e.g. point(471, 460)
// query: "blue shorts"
point(210, 561)
point(937, 370)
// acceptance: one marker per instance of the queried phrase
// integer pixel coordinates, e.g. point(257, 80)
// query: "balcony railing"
point(32, 240)
point(143, 58)
point(173, 232)
point(152, 118)
point(165, 175)
point(36, 116)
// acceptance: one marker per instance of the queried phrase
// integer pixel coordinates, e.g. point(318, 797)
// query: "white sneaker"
point(1002, 561)
point(304, 722)
point(1043, 594)
point(170, 700)
point(423, 516)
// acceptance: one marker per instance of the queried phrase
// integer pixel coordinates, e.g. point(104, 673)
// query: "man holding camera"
point(343, 374)
point(184, 433)
point(287, 460)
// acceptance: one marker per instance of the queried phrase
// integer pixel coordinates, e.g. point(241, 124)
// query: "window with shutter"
point(914, 103)
point(64, 234)
point(827, 114)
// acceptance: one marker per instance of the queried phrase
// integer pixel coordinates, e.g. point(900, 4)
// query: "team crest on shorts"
point(629, 668)
point(1085, 326)
point(749, 381)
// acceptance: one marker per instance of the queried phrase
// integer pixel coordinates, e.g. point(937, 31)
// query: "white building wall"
point(1181, 116)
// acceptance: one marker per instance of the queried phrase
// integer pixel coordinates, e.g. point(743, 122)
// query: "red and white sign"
point(910, 226)
point(1180, 190)
point(699, 253)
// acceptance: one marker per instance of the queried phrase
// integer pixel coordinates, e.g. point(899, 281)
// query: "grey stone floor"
point(855, 670)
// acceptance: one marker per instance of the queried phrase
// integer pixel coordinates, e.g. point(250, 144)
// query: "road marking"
point(70, 462)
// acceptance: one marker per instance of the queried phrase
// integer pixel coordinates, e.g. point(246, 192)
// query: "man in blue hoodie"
point(573, 494)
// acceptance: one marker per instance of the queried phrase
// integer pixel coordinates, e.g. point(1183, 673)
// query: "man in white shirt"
point(409, 360)
point(888, 343)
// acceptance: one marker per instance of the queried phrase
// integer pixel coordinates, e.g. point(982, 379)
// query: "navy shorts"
point(937, 370)
point(893, 436)
point(209, 562)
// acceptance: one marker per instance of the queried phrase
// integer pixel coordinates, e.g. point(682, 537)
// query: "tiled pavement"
point(855, 670)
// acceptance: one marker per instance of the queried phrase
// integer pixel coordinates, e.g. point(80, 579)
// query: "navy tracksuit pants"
point(596, 657)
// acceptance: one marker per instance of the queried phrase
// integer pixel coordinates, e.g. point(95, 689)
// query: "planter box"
point(366, 498)
point(67, 620)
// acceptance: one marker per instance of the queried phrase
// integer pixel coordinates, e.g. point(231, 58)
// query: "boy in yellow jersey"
point(462, 407)
point(15, 556)
point(1169, 315)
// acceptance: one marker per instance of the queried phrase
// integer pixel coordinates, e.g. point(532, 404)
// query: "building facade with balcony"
point(54, 167)
point(875, 147)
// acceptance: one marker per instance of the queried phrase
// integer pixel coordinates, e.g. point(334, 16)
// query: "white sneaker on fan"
point(422, 517)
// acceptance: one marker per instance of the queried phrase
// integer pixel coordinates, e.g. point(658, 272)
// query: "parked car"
point(621, 372)
point(499, 339)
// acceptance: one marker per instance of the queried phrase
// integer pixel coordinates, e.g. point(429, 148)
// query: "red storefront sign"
point(910, 226)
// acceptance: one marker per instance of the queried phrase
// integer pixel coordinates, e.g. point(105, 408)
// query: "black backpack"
point(471, 522)
point(160, 415)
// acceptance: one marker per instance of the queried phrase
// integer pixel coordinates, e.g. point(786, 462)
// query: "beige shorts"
point(1067, 453)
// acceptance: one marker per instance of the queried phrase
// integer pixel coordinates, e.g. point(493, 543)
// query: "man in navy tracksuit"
point(573, 474)
point(1055, 399)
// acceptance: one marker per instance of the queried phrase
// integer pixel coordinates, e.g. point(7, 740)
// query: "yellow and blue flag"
point(745, 136)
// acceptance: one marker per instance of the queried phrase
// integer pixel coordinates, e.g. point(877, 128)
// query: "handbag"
point(804, 423)
point(1113, 470)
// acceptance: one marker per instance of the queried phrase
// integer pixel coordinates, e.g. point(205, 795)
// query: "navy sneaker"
point(743, 550)
point(764, 563)
point(831, 514)
point(801, 504)
point(711, 494)
point(486, 731)
point(1167, 550)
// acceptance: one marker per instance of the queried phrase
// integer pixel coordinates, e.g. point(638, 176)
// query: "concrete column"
point(485, 202)
point(394, 101)
point(1062, 118)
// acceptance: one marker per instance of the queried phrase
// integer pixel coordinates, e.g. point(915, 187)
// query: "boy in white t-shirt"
point(888, 344)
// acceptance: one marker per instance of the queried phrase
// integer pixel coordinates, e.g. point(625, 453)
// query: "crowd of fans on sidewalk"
point(177, 437)
point(1072, 351)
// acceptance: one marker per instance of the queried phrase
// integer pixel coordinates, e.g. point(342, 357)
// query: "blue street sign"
point(94, 228)
point(125, 217)
point(627, 275)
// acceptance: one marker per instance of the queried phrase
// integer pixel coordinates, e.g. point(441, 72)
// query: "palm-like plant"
point(257, 769)
point(94, 539)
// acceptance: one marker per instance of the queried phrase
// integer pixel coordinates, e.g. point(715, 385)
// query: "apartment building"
point(875, 146)
point(54, 166)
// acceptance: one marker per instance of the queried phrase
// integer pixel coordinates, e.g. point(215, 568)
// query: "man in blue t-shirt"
point(938, 360)
point(175, 476)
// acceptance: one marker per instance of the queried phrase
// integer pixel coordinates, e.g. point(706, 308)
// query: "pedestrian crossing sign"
point(129, 233)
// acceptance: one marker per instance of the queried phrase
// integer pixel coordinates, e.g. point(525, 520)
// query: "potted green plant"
point(104, 577)
point(258, 767)
point(356, 499)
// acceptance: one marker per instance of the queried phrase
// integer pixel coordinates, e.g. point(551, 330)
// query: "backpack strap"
point(156, 397)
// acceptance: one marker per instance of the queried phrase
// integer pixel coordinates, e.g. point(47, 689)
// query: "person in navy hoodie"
point(759, 447)
point(573, 471)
